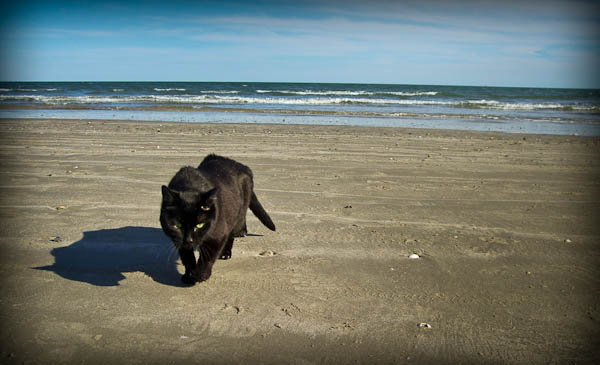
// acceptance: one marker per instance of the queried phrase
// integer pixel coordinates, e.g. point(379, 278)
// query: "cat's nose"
point(189, 239)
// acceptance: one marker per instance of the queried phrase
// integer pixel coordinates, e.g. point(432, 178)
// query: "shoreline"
point(313, 128)
point(564, 128)
point(505, 226)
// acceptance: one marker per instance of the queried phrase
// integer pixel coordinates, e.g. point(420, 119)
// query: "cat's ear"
point(209, 200)
point(168, 195)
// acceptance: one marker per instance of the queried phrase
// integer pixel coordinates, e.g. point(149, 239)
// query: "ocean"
point(504, 109)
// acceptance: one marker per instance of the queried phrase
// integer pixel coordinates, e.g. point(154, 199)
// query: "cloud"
point(62, 32)
point(371, 41)
point(389, 24)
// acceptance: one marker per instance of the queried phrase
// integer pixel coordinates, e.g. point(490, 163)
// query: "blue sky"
point(552, 43)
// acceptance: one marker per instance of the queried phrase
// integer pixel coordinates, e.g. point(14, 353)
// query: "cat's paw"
point(197, 276)
point(225, 254)
point(203, 276)
point(188, 280)
point(242, 233)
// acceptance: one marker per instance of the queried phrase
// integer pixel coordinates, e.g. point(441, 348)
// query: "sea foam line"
point(219, 91)
point(236, 100)
point(169, 89)
point(347, 92)
point(27, 90)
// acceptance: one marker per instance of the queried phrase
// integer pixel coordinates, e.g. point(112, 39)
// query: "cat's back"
point(223, 167)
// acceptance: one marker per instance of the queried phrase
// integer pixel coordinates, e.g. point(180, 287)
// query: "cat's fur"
point(204, 208)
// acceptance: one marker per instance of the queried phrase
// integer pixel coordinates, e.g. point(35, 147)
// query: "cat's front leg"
point(208, 254)
point(189, 262)
point(226, 252)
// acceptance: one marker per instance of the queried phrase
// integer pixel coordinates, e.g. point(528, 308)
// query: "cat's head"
point(188, 216)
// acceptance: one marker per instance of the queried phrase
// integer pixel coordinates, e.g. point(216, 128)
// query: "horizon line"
point(300, 82)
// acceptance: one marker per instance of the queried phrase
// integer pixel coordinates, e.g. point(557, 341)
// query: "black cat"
point(204, 208)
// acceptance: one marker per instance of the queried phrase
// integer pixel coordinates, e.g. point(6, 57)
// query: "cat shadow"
point(101, 257)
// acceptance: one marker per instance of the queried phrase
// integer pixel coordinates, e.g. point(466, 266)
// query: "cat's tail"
point(260, 212)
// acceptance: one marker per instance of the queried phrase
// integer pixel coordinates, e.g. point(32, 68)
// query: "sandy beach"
point(505, 227)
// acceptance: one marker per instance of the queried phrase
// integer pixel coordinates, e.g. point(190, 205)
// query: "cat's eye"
point(199, 225)
point(205, 208)
point(177, 225)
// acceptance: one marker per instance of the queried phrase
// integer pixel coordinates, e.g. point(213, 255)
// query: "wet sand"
point(506, 227)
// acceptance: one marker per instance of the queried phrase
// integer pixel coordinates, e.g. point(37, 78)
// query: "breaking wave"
point(283, 101)
point(346, 93)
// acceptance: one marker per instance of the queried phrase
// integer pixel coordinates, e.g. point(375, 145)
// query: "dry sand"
point(506, 227)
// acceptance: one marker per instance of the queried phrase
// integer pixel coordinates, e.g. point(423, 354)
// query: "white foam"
point(493, 104)
point(26, 90)
point(235, 100)
point(347, 92)
point(219, 91)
